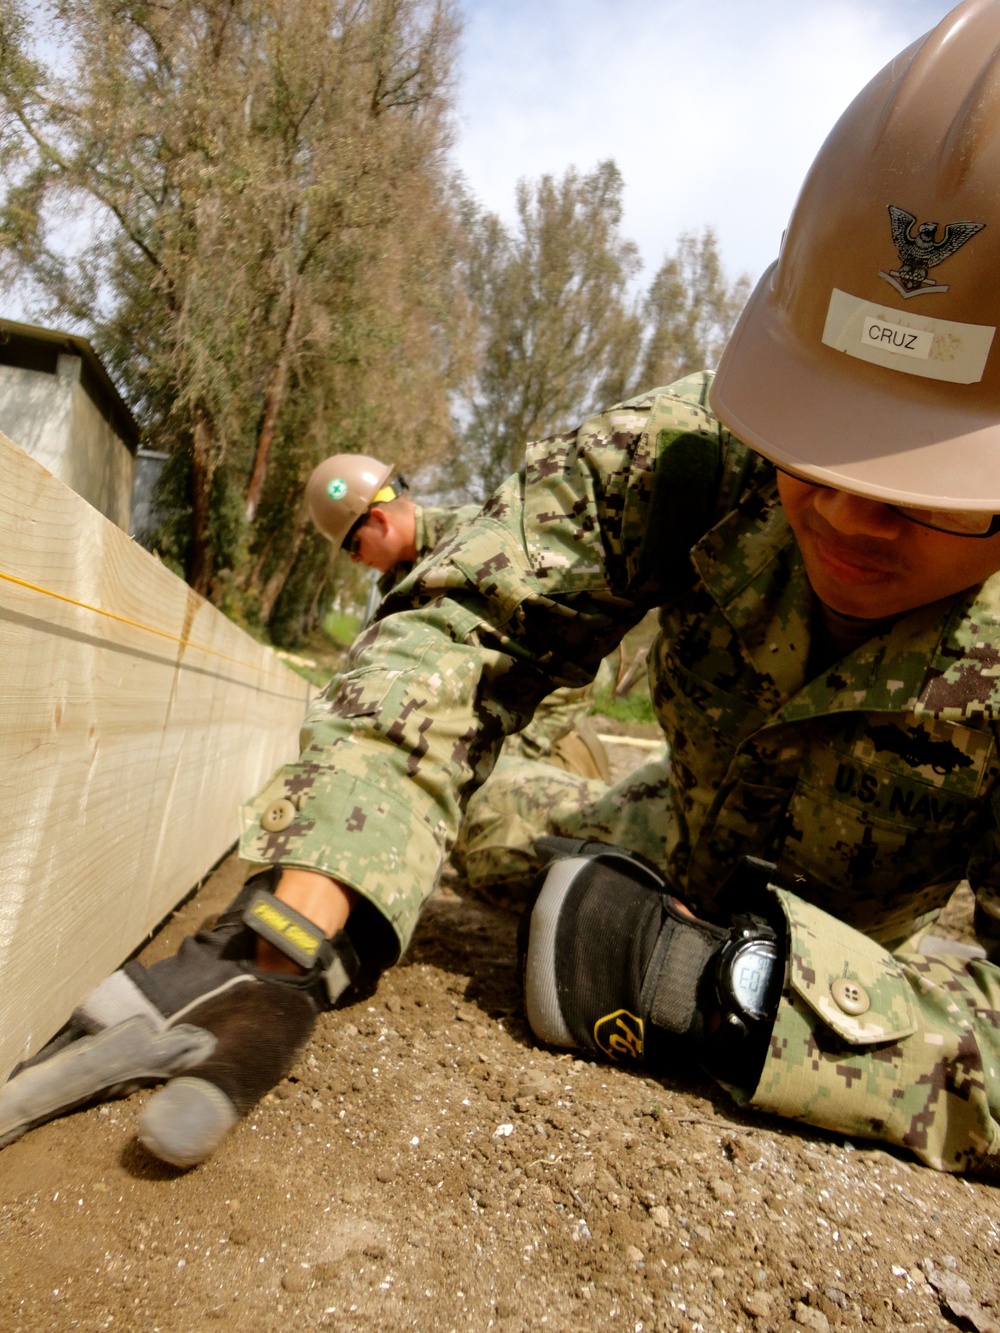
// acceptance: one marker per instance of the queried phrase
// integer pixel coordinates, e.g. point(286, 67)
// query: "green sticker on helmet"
point(336, 488)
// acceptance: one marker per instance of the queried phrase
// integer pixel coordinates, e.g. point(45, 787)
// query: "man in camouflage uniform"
point(357, 504)
point(827, 675)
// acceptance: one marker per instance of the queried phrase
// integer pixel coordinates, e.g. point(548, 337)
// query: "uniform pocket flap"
point(495, 565)
point(855, 986)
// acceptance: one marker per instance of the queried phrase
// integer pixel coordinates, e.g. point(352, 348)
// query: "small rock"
point(660, 1215)
point(239, 1236)
point(634, 1255)
point(297, 1280)
point(758, 1304)
point(807, 1317)
point(956, 1295)
point(742, 1150)
point(722, 1190)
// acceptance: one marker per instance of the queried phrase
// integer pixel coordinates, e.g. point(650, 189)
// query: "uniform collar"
point(941, 660)
point(964, 676)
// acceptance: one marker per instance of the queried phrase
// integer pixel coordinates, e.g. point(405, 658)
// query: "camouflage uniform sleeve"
point(899, 1047)
point(531, 595)
point(434, 523)
point(984, 878)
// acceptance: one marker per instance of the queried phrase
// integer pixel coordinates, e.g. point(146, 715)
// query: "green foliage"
point(557, 329)
point(559, 332)
point(636, 706)
point(341, 626)
point(689, 311)
point(276, 264)
point(270, 273)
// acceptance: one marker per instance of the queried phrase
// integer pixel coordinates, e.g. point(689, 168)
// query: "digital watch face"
point(750, 974)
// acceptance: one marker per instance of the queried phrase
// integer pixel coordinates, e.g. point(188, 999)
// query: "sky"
point(713, 109)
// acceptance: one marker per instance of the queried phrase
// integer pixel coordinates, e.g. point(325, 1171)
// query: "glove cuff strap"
point(672, 988)
point(334, 960)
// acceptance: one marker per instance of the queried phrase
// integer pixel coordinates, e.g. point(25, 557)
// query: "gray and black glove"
point(613, 965)
point(221, 1030)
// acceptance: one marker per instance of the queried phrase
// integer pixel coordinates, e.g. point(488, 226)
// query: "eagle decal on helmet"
point(919, 253)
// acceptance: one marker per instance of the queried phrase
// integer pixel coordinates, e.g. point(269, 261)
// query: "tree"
point(557, 329)
point(270, 271)
point(689, 311)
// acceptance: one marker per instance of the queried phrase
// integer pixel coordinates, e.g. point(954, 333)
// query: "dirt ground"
point(426, 1165)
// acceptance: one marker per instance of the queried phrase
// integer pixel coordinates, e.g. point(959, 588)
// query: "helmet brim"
point(852, 425)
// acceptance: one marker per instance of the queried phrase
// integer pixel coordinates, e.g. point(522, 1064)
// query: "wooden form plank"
point(135, 719)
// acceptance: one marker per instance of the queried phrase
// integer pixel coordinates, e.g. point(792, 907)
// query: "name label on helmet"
point(896, 338)
point(936, 349)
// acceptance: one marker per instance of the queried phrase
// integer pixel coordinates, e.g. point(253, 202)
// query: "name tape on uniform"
point(936, 349)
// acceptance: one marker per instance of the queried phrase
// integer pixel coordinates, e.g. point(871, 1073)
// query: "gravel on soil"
point(427, 1165)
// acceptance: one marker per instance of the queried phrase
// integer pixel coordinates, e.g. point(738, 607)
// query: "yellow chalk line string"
point(137, 624)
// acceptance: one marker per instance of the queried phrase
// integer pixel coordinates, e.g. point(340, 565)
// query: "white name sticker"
point(895, 338)
point(936, 349)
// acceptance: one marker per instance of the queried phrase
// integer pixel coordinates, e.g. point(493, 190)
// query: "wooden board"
point(135, 719)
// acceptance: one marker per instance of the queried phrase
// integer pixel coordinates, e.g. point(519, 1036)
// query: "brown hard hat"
point(341, 489)
point(866, 358)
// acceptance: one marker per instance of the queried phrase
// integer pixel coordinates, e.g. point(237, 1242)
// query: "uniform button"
point(278, 816)
point(849, 996)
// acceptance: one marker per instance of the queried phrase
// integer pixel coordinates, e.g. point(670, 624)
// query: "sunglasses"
point(955, 522)
point(354, 536)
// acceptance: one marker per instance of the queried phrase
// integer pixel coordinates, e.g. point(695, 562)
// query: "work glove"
point(613, 964)
point(216, 1028)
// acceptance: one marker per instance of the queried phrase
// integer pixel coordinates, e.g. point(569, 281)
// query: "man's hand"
point(614, 964)
point(221, 1021)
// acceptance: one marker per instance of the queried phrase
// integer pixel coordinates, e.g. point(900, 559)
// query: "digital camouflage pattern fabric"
point(871, 781)
point(559, 712)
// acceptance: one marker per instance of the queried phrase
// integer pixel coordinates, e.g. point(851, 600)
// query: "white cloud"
point(713, 111)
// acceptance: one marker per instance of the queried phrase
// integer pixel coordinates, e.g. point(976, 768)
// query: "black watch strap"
point(748, 979)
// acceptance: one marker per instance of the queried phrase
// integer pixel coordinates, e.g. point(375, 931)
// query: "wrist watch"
point(749, 974)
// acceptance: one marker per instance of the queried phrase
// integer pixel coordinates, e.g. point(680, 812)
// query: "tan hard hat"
point(866, 358)
point(341, 490)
